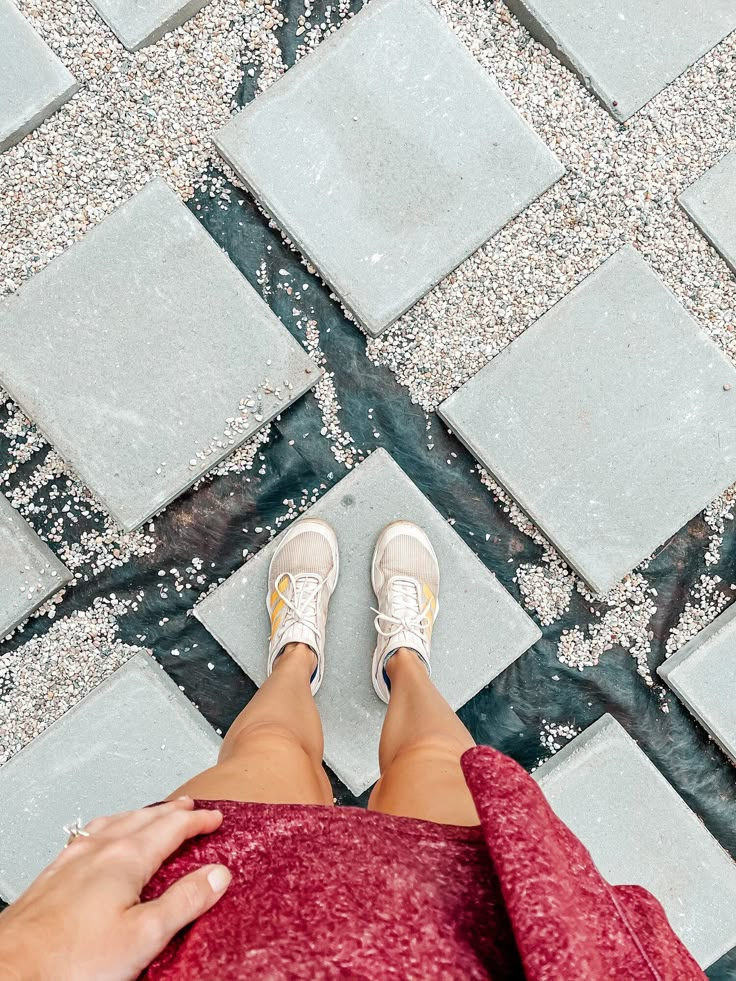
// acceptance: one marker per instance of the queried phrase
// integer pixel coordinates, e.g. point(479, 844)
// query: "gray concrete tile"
point(479, 632)
point(711, 203)
point(142, 22)
point(29, 571)
point(627, 51)
point(703, 676)
point(388, 156)
point(130, 742)
point(160, 338)
point(33, 82)
point(639, 831)
point(610, 420)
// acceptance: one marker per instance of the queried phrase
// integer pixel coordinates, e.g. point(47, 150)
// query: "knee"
point(264, 738)
point(432, 748)
point(418, 760)
point(425, 780)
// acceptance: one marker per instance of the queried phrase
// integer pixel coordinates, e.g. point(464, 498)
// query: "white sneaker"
point(301, 578)
point(406, 579)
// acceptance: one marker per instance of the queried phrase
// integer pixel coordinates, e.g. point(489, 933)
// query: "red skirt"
point(322, 892)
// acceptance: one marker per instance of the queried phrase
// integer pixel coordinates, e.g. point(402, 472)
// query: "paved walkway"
point(170, 363)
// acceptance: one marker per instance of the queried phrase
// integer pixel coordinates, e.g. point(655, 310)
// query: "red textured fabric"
point(322, 893)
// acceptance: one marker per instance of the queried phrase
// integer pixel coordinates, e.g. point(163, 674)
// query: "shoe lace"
point(406, 611)
point(301, 606)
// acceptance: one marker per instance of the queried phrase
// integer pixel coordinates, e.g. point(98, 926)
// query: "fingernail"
point(219, 878)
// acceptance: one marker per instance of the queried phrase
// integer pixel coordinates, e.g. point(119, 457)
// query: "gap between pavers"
point(639, 831)
point(33, 81)
point(711, 203)
point(480, 629)
point(703, 676)
point(138, 23)
point(30, 572)
point(627, 51)
point(388, 156)
point(130, 742)
point(611, 420)
point(163, 343)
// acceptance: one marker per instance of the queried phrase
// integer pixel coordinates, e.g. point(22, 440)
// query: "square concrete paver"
point(170, 358)
point(610, 420)
point(33, 82)
point(711, 203)
point(703, 676)
point(480, 629)
point(639, 831)
point(129, 743)
point(141, 22)
point(626, 51)
point(29, 571)
point(388, 156)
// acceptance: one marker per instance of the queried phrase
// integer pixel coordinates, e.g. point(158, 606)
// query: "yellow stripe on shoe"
point(301, 578)
point(406, 578)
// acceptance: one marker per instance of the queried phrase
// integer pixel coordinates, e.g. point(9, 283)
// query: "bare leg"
point(421, 745)
point(272, 753)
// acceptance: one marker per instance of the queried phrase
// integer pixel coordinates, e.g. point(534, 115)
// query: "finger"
point(157, 840)
point(102, 831)
point(127, 822)
point(188, 898)
point(100, 824)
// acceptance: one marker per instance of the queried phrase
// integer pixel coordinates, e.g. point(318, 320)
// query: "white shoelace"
point(407, 613)
point(303, 609)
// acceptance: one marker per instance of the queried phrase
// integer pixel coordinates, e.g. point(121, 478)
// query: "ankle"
point(297, 656)
point(405, 661)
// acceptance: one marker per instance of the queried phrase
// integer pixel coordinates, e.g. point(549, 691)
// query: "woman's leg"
point(421, 745)
point(272, 753)
point(422, 739)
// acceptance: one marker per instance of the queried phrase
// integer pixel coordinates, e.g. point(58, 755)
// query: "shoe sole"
point(333, 577)
point(379, 685)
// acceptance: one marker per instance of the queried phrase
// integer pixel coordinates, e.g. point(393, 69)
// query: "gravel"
point(706, 601)
point(621, 186)
point(49, 674)
point(553, 736)
point(136, 115)
point(57, 504)
point(153, 113)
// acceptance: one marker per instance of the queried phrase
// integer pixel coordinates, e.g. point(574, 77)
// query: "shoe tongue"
point(405, 601)
point(405, 598)
point(300, 632)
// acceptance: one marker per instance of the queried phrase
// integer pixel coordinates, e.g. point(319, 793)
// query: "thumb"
point(183, 902)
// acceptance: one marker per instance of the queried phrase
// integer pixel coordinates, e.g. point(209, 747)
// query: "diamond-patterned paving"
point(690, 673)
point(33, 81)
point(386, 177)
point(145, 21)
point(619, 49)
point(598, 653)
point(30, 572)
point(711, 203)
point(374, 494)
point(171, 359)
point(139, 717)
point(602, 771)
point(566, 416)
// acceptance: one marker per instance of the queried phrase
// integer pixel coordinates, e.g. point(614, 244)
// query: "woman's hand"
point(83, 919)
